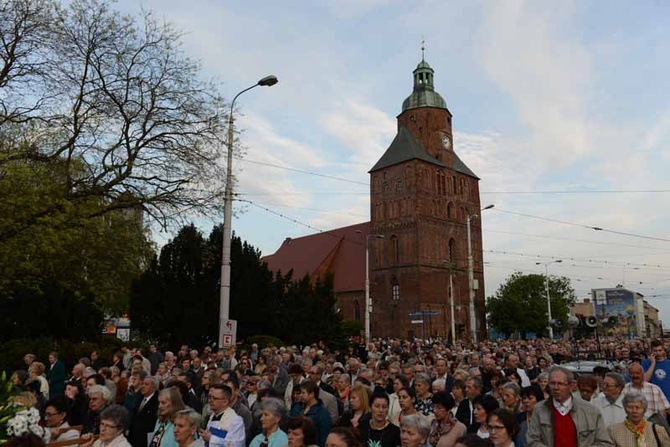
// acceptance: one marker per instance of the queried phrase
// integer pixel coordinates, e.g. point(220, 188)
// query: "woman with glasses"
point(273, 411)
point(503, 428)
point(113, 423)
point(169, 403)
point(55, 419)
point(445, 428)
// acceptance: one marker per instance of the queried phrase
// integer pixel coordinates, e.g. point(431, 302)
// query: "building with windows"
point(421, 196)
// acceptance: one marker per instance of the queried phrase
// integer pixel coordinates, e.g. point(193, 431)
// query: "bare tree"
point(116, 103)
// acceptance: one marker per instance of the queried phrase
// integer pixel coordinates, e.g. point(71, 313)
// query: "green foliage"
point(520, 304)
point(352, 328)
point(177, 299)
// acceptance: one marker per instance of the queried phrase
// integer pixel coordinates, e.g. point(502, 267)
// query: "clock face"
point(446, 142)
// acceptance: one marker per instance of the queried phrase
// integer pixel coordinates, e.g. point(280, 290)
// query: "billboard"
point(620, 303)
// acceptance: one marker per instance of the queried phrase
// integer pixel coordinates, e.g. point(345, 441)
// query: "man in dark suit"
point(143, 420)
point(56, 375)
point(465, 412)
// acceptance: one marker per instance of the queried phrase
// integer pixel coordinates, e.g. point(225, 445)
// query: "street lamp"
point(546, 280)
point(471, 276)
point(368, 301)
point(224, 292)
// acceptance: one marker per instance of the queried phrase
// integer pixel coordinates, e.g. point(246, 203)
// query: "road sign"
point(229, 333)
point(416, 321)
point(424, 313)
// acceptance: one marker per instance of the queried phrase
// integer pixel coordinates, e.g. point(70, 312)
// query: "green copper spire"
point(424, 94)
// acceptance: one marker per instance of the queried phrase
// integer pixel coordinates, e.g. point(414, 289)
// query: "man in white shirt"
point(512, 361)
point(224, 426)
point(610, 401)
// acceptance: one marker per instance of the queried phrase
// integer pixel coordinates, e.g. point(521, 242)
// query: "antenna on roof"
point(423, 48)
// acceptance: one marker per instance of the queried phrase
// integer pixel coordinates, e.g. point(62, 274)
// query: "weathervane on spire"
point(423, 47)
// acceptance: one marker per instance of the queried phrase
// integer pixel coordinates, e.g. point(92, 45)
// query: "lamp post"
point(471, 276)
point(368, 301)
point(546, 281)
point(224, 292)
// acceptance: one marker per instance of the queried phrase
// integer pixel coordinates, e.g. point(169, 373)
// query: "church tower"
point(421, 194)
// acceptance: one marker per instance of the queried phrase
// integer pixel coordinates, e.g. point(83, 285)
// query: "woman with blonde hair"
point(359, 407)
point(169, 403)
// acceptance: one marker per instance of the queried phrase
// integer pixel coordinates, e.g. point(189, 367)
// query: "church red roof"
point(340, 251)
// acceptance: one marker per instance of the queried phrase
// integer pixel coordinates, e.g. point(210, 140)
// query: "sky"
point(562, 108)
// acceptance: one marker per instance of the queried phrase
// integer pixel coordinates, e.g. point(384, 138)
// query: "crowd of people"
point(387, 394)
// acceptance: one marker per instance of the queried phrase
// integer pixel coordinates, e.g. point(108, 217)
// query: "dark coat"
point(143, 422)
point(464, 415)
point(56, 377)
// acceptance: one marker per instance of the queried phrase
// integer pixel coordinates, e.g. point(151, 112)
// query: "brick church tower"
point(421, 194)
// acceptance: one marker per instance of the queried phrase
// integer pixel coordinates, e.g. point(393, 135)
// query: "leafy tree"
point(520, 304)
point(115, 103)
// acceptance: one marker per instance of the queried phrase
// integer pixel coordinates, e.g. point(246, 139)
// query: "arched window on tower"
point(395, 290)
point(357, 311)
point(393, 250)
point(450, 211)
point(452, 252)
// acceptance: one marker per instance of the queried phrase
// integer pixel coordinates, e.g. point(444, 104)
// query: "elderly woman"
point(169, 403)
point(543, 382)
point(273, 411)
point(55, 419)
point(99, 397)
point(511, 397)
point(424, 402)
point(186, 424)
point(414, 430)
point(445, 428)
point(113, 423)
point(36, 372)
point(636, 430)
point(301, 432)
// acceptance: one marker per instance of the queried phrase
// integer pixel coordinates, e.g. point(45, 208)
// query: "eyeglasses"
point(106, 425)
point(495, 427)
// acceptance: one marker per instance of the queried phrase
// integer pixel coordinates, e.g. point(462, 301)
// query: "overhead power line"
point(590, 227)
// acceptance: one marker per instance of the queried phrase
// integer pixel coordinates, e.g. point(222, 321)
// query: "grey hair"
point(274, 406)
point(418, 421)
point(421, 377)
point(192, 416)
point(116, 413)
point(542, 375)
point(262, 384)
point(516, 389)
point(344, 377)
point(154, 380)
point(634, 396)
point(115, 370)
point(618, 378)
point(567, 372)
point(102, 390)
point(440, 383)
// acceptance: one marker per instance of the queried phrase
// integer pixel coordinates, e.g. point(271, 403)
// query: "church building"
point(421, 197)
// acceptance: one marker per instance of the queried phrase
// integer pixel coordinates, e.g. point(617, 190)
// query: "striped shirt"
point(656, 400)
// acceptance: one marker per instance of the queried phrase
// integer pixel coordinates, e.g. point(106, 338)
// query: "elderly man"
point(143, 418)
point(656, 400)
point(611, 401)
point(512, 362)
point(186, 423)
point(564, 421)
point(465, 412)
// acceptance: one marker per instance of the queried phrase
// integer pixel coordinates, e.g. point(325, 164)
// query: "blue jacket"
point(320, 416)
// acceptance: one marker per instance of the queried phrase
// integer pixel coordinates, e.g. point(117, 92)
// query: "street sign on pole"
point(228, 333)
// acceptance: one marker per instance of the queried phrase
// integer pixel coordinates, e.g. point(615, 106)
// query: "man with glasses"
point(564, 421)
point(224, 426)
point(611, 401)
